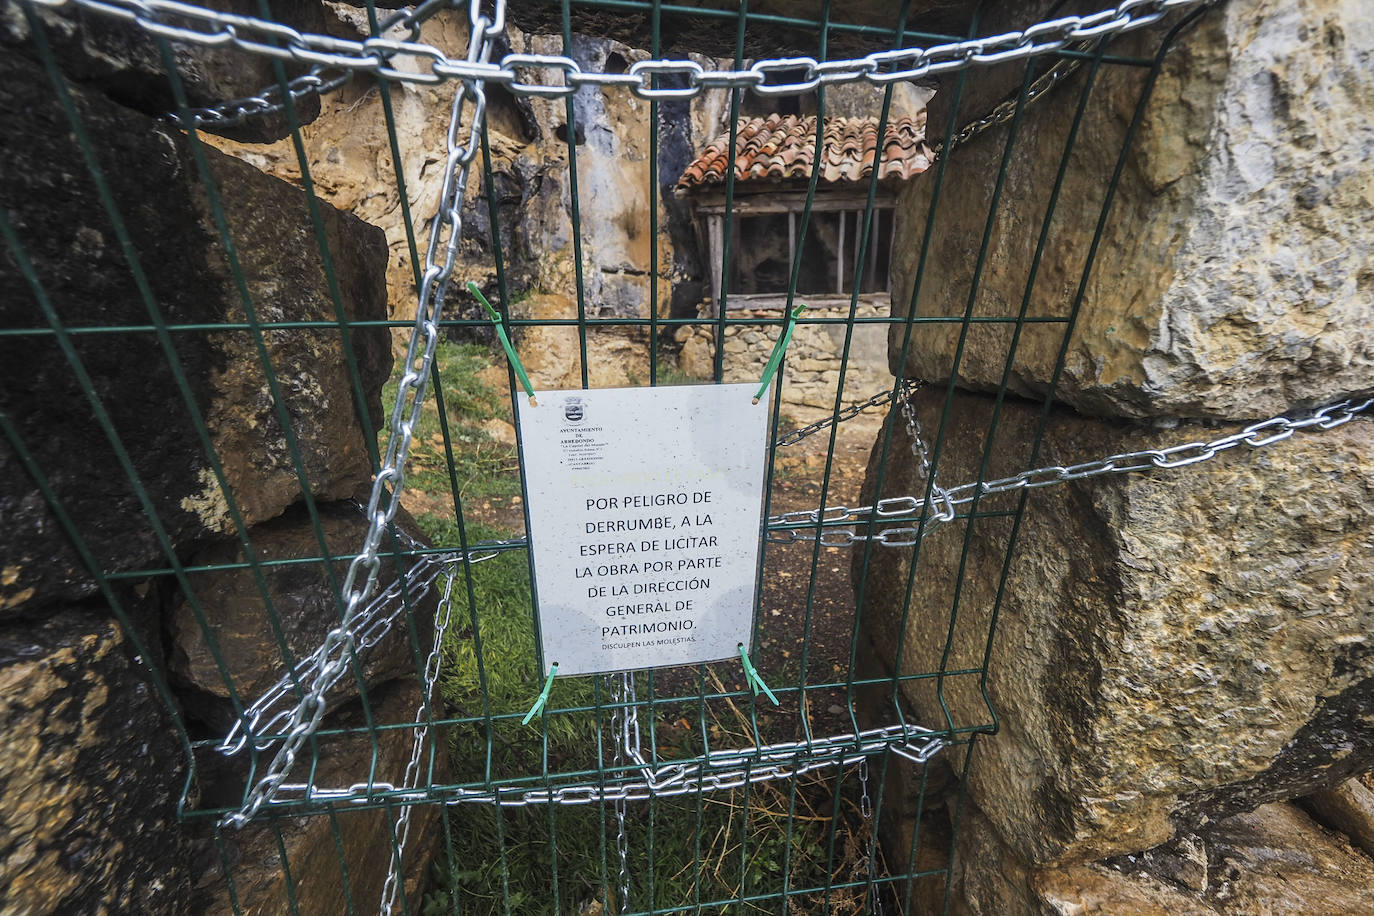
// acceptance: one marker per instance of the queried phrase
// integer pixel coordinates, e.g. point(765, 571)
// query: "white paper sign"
point(645, 510)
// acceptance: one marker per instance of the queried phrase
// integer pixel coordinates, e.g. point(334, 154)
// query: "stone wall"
point(1166, 651)
point(126, 454)
point(814, 355)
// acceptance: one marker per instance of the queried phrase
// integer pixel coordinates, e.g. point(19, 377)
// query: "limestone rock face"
point(1170, 648)
point(1235, 275)
point(304, 606)
point(531, 152)
point(1273, 860)
point(115, 57)
point(90, 774)
point(73, 248)
point(316, 856)
point(685, 32)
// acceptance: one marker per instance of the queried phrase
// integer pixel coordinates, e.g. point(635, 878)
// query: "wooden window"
point(768, 238)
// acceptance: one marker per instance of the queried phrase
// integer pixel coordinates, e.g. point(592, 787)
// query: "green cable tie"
point(752, 676)
point(505, 341)
point(543, 696)
point(778, 350)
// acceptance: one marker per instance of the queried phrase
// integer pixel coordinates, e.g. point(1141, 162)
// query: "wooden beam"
point(791, 238)
point(716, 224)
point(875, 236)
point(839, 257)
point(785, 202)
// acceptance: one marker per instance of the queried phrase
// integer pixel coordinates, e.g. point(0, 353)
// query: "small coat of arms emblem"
point(573, 409)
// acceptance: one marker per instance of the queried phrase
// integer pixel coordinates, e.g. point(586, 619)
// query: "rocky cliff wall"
point(153, 426)
point(1164, 651)
point(1233, 279)
point(545, 224)
point(533, 158)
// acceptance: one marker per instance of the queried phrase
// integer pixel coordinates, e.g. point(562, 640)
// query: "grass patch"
point(669, 374)
point(503, 676)
point(482, 465)
point(550, 858)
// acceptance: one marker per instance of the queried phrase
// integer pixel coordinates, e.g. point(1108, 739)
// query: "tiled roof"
point(778, 147)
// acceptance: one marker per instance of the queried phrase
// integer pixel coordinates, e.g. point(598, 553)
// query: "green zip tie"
point(776, 359)
point(752, 676)
point(543, 696)
point(505, 342)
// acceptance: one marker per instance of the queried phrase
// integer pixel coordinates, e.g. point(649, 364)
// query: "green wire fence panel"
point(321, 563)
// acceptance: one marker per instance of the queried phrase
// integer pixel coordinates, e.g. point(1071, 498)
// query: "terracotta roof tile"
point(778, 147)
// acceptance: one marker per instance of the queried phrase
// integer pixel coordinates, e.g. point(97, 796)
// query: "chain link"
point(875, 897)
point(943, 503)
point(313, 83)
point(269, 713)
point(905, 389)
point(267, 102)
point(716, 771)
point(918, 442)
point(1006, 110)
point(423, 716)
point(337, 650)
point(412, 61)
point(625, 733)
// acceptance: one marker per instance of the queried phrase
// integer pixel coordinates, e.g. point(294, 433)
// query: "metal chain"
point(875, 897)
point(423, 716)
point(625, 732)
point(716, 771)
point(269, 100)
point(266, 102)
point(269, 714)
point(385, 57)
point(1006, 110)
point(944, 502)
point(440, 258)
point(722, 770)
point(905, 389)
point(918, 442)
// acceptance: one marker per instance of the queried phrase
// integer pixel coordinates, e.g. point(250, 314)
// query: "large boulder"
point(1169, 647)
point(1349, 808)
point(1235, 274)
point(72, 261)
point(226, 619)
point(90, 774)
point(114, 56)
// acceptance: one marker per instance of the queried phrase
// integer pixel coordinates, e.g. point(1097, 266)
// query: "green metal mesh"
point(822, 841)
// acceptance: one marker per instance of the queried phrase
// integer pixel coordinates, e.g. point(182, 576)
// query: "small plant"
point(669, 374)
